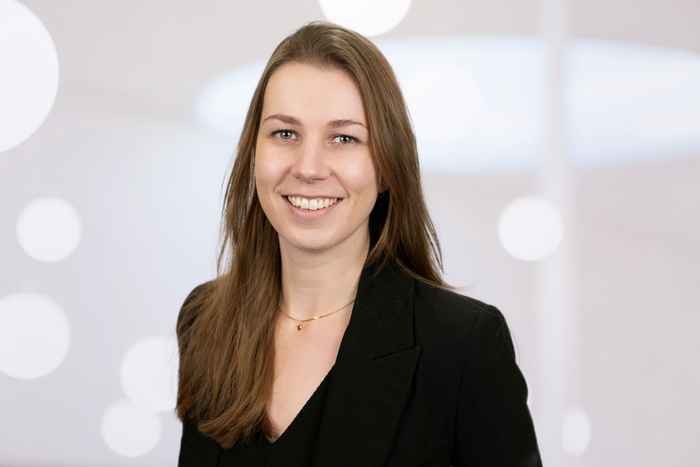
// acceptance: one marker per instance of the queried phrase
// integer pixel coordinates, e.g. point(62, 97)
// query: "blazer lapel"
point(373, 372)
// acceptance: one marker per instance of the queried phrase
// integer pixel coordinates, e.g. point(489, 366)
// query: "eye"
point(353, 140)
point(285, 130)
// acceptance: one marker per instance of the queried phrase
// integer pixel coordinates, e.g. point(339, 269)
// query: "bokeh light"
point(576, 432)
point(29, 76)
point(368, 17)
point(530, 228)
point(130, 431)
point(34, 335)
point(49, 229)
point(149, 373)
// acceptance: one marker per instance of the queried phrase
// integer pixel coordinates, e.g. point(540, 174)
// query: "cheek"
point(360, 177)
point(266, 171)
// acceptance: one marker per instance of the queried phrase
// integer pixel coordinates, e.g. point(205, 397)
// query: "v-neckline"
point(304, 408)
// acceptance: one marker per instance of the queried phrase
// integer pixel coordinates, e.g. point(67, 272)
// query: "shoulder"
point(471, 364)
point(449, 309)
point(459, 324)
point(188, 309)
point(196, 291)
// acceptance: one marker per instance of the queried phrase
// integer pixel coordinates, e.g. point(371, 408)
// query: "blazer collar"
point(372, 373)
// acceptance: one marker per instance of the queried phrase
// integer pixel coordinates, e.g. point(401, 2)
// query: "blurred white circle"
point(49, 229)
point(130, 431)
point(149, 373)
point(29, 77)
point(530, 228)
point(368, 17)
point(576, 432)
point(34, 335)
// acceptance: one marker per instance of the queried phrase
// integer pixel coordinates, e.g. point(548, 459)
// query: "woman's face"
point(300, 151)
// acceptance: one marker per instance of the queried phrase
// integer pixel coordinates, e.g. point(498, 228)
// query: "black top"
point(413, 358)
point(294, 446)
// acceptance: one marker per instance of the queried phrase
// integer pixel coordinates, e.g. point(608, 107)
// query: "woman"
point(331, 339)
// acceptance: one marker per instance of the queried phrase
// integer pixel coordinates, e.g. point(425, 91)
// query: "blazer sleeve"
point(493, 426)
point(196, 449)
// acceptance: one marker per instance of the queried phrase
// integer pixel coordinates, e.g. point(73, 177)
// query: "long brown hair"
point(225, 327)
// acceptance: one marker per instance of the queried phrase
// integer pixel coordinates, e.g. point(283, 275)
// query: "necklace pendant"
point(299, 326)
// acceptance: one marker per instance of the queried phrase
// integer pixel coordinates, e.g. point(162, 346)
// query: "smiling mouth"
point(337, 201)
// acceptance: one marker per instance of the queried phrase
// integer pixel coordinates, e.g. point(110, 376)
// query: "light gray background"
point(121, 144)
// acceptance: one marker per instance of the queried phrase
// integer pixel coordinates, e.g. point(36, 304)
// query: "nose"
point(310, 163)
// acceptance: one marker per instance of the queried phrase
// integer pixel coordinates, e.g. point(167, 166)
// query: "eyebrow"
point(332, 124)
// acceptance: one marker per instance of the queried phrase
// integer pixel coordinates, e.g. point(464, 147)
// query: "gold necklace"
point(300, 321)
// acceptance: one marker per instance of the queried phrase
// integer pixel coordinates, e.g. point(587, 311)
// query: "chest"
point(302, 362)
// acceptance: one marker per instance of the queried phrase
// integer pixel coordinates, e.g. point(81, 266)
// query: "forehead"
point(314, 95)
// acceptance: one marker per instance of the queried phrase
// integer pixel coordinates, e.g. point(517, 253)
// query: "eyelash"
point(354, 140)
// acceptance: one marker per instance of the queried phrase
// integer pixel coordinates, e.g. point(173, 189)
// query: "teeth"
point(311, 204)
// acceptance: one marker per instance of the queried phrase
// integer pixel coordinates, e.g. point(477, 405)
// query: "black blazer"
point(423, 377)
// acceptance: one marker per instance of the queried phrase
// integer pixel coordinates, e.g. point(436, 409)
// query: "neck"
point(318, 285)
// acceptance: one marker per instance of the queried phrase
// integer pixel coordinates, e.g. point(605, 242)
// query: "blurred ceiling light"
point(477, 103)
